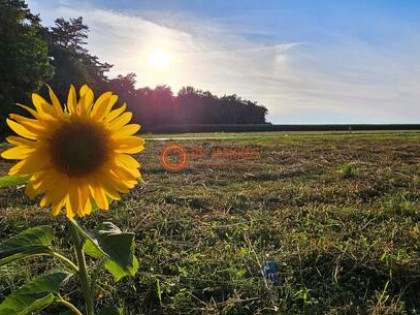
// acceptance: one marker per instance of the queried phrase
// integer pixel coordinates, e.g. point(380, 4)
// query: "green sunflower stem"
point(83, 273)
point(69, 305)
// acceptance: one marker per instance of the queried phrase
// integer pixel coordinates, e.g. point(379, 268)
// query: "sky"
point(307, 61)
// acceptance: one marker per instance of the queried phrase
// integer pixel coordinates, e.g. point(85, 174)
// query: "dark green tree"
point(72, 33)
point(72, 62)
point(24, 62)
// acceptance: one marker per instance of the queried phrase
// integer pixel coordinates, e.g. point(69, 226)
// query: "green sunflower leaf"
point(120, 273)
point(30, 242)
point(33, 296)
point(117, 247)
point(7, 181)
point(24, 252)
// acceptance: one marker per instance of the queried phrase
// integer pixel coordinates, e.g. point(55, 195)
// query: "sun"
point(159, 60)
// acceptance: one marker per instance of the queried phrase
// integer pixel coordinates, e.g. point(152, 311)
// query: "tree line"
point(32, 55)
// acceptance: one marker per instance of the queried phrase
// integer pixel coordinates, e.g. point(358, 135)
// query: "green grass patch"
point(338, 213)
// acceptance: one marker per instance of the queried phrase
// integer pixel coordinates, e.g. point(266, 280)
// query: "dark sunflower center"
point(79, 148)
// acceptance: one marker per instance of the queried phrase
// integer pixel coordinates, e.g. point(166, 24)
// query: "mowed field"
point(338, 213)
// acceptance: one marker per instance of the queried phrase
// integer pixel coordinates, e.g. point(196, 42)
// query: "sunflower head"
point(76, 155)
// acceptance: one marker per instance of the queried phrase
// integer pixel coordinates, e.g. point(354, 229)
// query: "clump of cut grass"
point(348, 171)
point(400, 205)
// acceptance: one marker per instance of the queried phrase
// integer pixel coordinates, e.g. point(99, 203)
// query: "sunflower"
point(78, 155)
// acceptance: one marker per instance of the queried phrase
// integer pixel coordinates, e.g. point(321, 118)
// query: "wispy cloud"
point(300, 82)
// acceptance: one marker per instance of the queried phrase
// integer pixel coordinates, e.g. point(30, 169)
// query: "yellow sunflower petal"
point(87, 207)
point(115, 113)
point(130, 145)
point(34, 163)
point(120, 181)
point(126, 172)
point(73, 200)
point(50, 183)
point(127, 161)
point(17, 153)
point(56, 187)
point(29, 110)
point(69, 210)
point(72, 100)
point(57, 208)
point(41, 105)
point(126, 131)
point(86, 102)
point(109, 189)
point(121, 121)
point(100, 197)
point(83, 192)
point(100, 102)
point(30, 191)
point(55, 101)
point(30, 124)
point(101, 109)
point(21, 130)
point(21, 141)
point(45, 202)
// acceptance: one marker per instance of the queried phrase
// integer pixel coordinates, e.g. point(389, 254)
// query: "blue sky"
point(324, 61)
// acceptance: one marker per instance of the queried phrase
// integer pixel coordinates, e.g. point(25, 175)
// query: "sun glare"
point(159, 60)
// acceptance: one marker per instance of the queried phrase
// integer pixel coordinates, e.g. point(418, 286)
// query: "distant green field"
point(338, 213)
point(268, 136)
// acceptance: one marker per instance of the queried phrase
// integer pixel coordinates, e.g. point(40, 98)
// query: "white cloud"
point(347, 79)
